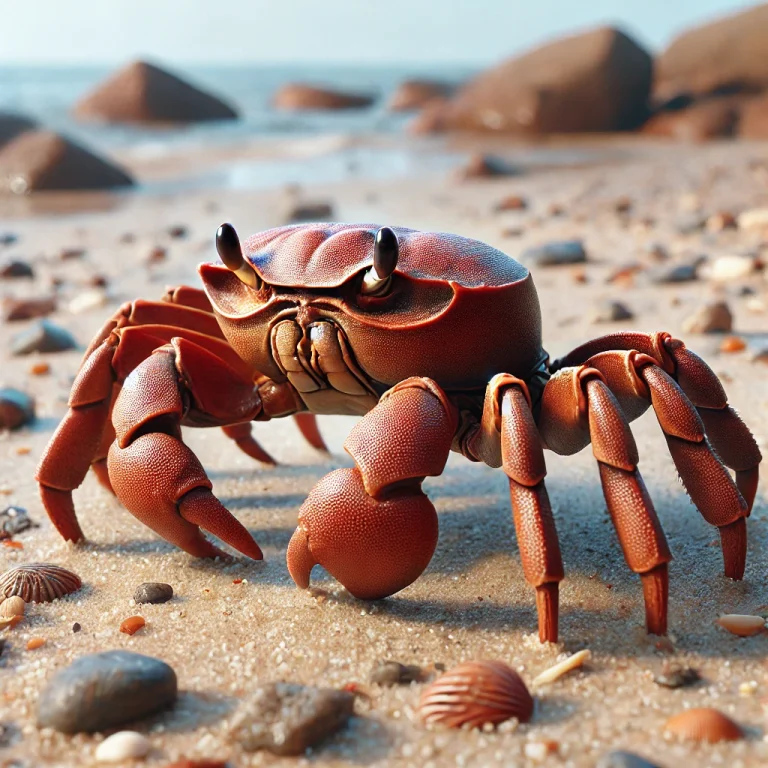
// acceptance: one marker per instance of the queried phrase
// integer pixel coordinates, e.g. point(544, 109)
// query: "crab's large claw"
point(371, 526)
point(373, 547)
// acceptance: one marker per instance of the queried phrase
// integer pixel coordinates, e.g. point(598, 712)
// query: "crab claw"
point(374, 547)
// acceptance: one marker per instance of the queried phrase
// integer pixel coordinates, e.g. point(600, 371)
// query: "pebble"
point(287, 718)
point(43, 336)
point(8, 238)
point(27, 309)
point(153, 592)
point(484, 167)
point(611, 311)
point(14, 269)
point(690, 223)
point(16, 409)
point(14, 520)
point(733, 267)
point(390, 673)
point(132, 625)
point(76, 627)
point(731, 344)
point(711, 318)
point(87, 300)
point(720, 221)
point(178, 232)
point(755, 218)
point(555, 254)
point(123, 745)
point(156, 255)
point(760, 355)
point(657, 251)
point(622, 759)
point(512, 203)
point(674, 273)
point(675, 676)
point(302, 212)
point(66, 254)
point(106, 690)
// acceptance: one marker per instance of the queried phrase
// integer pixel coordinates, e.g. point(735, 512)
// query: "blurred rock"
point(44, 336)
point(15, 520)
point(16, 408)
point(675, 273)
point(27, 309)
point(728, 54)
point(512, 203)
point(703, 120)
point(754, 218)
point(15, 268)
point(610, 311)
point(595, 81)
point(43, 160)
point(480, 166)
point(725, 268)
point(430, 119)
point(690, 223)
point(299, 97)
point(11, 125)
point(144, 93)
point(555, 254)
point(717, 222)
point(304, 212)
point(711, 318)
point(415, 94)
point(390, 673)
point(754, 119)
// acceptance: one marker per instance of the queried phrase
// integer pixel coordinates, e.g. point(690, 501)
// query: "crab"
point(435, 341)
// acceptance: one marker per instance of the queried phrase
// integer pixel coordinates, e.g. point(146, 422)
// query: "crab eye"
point(230, 252)
point(385, 255)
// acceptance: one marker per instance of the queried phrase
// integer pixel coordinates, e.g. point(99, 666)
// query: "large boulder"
point(43, 160)
point(706, 119)
point(144, 93)
point(11, 125)
point(729, 54)
point(296, 97)
point(414, 94)
point(754, 118)
point(595, 81)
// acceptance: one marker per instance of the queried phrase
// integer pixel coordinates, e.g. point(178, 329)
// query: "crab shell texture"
point(457, 311)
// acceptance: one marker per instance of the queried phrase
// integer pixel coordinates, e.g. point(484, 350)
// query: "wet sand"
point(224, 638)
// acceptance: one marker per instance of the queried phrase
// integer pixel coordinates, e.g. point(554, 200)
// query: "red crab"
point(435, 341)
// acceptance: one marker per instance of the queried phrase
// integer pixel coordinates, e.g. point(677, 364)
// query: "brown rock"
point(484, 167)
point(16, 409)
point(512, 203)
point(26, 309)
point(727, 54)
point(144, 93)
point(702, 120)
point(595, 81)
point(299, 96)
point(43, 160)
point(711, 318)
point(12, 125)
point(309, 211)
point(754, 118)
point(415, 94)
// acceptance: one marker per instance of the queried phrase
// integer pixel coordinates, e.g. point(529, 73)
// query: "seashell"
point(123, 745)
point(741, 624)
point(704, 724)
point(39, 582)
point(566, 665)
point(12, 606)
point(475, 693)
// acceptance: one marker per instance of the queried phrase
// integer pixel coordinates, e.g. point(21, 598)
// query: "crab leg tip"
point(299, 558)
point(547, 606)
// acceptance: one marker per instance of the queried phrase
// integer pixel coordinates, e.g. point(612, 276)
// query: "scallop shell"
point(39, 582)
point(475, 693)
point(704, 724)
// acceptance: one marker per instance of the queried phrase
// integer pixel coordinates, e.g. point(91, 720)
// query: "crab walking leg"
point(371, 526)
point(507, 437)
point(729, 435)
point(154, 474)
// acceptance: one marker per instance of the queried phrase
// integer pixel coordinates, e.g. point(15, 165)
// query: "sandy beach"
point(234, 625)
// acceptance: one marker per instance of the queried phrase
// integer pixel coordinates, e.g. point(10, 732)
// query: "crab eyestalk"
point(230, 252)
point(385, 254)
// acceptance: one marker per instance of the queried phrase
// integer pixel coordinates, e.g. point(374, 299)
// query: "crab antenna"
point(230, 252)
point(385, 252)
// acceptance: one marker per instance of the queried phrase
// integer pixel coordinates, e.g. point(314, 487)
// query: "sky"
point(344, 31)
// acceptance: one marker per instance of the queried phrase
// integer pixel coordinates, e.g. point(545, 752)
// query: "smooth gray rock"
point(555, 254)
point(42, 337)
point(106, 690)
point(153, 592)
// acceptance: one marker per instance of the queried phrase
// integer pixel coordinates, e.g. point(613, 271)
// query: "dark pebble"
point(15, 268)
point(43, 336)
point(485, 167)
point(621, 759)
point(15, 520)
point(674, 273)
point(555, 253)
point(76, 627)
point(16, 409)
point(8, 238)
point(66, 254)
point(156, 255)
point(106, 690)
point(512, 203)
point(391, 673)
point(611, 312)
point(27, 309)
point(98, 281)
point(310, 212)
point(287, 718)
point(673, 676)
point(178, 232)
point(153, 592)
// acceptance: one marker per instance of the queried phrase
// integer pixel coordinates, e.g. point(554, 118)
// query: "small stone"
point(657, 251)
point(760, 355)
point(624, 273)
point(123, 745)
point(34, 643)
point(132, 625)
point(674, 273)
point(390, 673)
point(287, 718)
point(178, 232)
point(541, 751)
point(555, 254)
point(98, 281)
point(675, 676)
point(622, 759)
point(555, 210)
point(732, 344)
point(720, 221)
point(623, 205)
point(67, 254)
point(726, 268)
point(711, 318)
point(27, 309)
point(512, 203)
point(10, 270)
point(611, 312)
point(755, 218)
point(306, 212)
point(106, 690)
point(484, 167)
point(8, 238)
point(8, 734)
point(87, 300)
point(14, 520)
point(16, 409)
point(76, 628)
point(153, 592)
point(156, 255)
point(43, 336)
point(690, 223)
point(40, 369)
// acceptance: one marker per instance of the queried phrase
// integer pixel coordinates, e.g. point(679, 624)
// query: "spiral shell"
point(704, 724)
point(475, 693)
point(39, 582)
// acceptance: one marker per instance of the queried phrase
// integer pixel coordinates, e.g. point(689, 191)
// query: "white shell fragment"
point(123, 745)
point(741, 624)
point(566, 665)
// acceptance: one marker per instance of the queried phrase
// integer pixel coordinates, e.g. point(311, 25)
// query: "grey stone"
point(390, 673)
point(14, 268)
point(711, 318)
point(288, 719)
point(674, 676)
point(17, 408)
point(689, 223)
point(555, 253)
point(674, 273)
point(15, 520)
point(153, 592)
point(621, 759)
point(43, 336)
point(106, 690)
point(611, 312)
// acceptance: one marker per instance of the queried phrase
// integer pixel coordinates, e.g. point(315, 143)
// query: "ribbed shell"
point(704, 724)
point(39, 582)
point(475, 693)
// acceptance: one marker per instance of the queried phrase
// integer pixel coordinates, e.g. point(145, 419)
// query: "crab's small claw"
point(374, 547)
